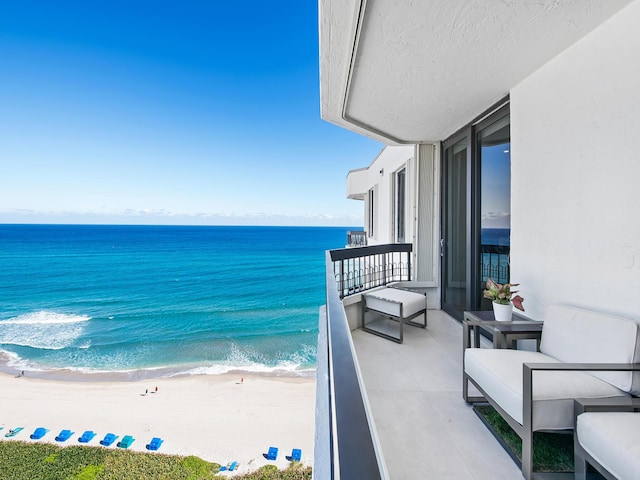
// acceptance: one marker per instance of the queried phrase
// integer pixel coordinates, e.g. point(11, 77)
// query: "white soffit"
point(415, 71)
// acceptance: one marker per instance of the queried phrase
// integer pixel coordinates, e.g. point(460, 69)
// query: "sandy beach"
point(215, 417)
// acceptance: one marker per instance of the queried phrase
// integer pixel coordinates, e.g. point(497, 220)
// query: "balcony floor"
point(425, 428)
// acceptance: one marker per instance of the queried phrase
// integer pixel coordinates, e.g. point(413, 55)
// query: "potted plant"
point(504, 299)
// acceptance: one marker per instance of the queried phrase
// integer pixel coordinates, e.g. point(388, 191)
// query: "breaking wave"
point(42, 330)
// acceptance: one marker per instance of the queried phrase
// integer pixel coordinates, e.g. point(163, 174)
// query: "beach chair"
point(87, 436)
point(38, 433)
point(272, 454)
point(296, 455)
point(126, 441)
point(229, 466)
point(64, 435)
point(108, 439)
point(13, 432)
point(155, 443)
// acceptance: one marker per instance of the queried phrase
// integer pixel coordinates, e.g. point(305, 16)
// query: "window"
point(400, 205)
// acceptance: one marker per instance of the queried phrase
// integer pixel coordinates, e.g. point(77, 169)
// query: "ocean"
point(80, 301)
point(496, 236)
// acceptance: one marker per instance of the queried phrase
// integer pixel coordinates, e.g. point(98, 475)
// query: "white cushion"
point(390, 301)
point(612, 439)
point(573, 335)
point(499, 373)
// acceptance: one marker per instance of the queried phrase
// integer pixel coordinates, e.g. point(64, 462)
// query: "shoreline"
point(218, 418)
point(9, 366)
point(148, 375)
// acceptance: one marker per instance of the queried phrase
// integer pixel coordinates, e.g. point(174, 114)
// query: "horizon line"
point(4, 224)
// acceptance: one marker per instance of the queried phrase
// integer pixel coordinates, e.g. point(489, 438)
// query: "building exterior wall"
point(422, 220)
point(380, 176)
point(575, 170)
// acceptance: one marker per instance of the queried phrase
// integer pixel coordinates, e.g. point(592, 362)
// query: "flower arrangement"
point(502, 294)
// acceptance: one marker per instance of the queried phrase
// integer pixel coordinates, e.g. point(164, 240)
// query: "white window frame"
point(371, 212)
point(400, 205)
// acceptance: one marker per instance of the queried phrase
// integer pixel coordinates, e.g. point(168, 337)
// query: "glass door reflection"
point(494, 151)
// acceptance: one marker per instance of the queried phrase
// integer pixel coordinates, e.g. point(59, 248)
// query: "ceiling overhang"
point(408, 71)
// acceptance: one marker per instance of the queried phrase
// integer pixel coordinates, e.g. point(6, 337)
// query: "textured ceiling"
point(414, 71)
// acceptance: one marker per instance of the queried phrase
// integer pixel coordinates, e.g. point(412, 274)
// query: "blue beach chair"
point(155, 443)
point(296, 455)
point(230, 466)
point(13, 432)
point(108, 439)
point(126, 441)
point(272, 454)
point(64, 435)
point(38, 433)
point(87, 436)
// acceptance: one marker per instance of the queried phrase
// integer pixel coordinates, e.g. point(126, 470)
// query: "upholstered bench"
point(397, 304)
point(610, 442)
point(571, 338)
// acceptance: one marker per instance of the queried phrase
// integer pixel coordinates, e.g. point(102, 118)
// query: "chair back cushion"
point(573, 335)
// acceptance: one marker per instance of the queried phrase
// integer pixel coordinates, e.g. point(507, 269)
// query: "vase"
point(502, 313)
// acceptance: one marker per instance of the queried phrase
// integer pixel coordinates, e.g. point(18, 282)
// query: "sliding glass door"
point(455, 228)
point(475, 238)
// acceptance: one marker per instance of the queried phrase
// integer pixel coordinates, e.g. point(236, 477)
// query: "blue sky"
point(169, 112)
point(496, 186)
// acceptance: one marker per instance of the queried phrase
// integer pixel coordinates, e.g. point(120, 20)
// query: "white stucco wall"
point(380, 176)
point(575, 200)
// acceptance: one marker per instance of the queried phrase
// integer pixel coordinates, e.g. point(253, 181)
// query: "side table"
point(505, 335)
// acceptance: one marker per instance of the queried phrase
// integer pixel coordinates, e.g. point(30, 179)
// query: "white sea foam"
point(239, 360)
point(221, 368)
point(10, 358)
point(15, 361)
point(43, 330)
point(44, 317)
point(11, 363)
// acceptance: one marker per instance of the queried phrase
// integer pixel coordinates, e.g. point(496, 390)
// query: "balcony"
point(356, 238)
point(364, 268)
point(390, 411)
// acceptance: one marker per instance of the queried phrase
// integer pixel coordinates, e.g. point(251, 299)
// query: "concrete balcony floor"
point(425, 428)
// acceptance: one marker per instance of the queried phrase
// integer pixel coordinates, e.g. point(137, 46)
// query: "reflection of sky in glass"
point(495, 191)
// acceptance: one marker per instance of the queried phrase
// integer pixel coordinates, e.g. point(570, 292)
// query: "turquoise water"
point(156, 301)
